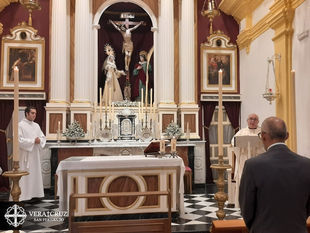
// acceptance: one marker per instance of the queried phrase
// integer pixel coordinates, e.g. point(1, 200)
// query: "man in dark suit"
point(274, 192)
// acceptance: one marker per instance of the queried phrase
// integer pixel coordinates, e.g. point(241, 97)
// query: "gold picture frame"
point(24, 49)
point(218, 54)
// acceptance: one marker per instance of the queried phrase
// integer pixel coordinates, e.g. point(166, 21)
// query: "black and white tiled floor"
point(200, 210)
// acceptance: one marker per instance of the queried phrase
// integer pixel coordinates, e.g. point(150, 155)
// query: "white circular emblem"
point(15, 215)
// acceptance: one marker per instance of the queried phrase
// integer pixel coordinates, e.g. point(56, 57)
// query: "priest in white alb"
point(242, 154)
point(252, 129)
point(31, 142)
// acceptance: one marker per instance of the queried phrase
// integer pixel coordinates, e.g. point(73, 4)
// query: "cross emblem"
point(15, 215)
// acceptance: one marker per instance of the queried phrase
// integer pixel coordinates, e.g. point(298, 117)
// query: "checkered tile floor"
point(199, 212)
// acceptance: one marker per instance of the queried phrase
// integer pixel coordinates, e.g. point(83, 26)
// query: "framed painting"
point(217, 55)
point(26, 51)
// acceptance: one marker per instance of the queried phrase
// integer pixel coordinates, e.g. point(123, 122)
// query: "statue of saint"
point(112, 75)
point(139, 75)
point(125, 30)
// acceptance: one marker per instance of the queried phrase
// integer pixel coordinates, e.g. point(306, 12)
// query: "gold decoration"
point(15, 175)
point(210, 12)
point(143, 53)
point(1, 28)
point(30, 5)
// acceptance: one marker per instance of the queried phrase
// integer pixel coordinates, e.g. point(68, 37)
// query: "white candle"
point(151, 101)
point(139, 111)
point(90, 131)
point(146, 97)
point(112, 118)
point(173, 144)
point(100, 104)
point(106, 97)
point(15, 115)
point(58, 129)
point(220, 116)
point(142, 101)
point(187, 126)
point(162, 146)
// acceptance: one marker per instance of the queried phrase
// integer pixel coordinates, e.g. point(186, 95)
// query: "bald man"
point(274, 193)
point(252, 129)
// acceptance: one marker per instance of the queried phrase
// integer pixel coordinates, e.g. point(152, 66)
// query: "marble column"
point(188, 106)
point(82, 52)
point(83, 64)
point(167, 108)
point(58, 104)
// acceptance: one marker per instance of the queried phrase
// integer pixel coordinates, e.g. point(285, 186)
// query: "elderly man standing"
point(31, 141)
point(275, 186)
point(252, 129)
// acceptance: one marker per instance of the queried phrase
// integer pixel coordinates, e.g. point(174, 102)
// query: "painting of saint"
point(215, 63)
point(25, 60)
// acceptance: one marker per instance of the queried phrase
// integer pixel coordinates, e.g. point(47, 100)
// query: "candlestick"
point(220, 118)
point(15, 116)
point(113, 112)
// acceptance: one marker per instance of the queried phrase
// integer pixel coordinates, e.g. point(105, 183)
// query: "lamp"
point(30, 5)
point(270, 94)
point(210, 12)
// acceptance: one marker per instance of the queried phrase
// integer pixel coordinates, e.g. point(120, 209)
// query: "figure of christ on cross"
point(125, 30)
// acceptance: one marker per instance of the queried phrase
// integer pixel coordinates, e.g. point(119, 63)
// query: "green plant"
point(74, 130)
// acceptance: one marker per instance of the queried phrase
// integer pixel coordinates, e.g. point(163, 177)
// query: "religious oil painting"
point(214, 59)
point(26, 52)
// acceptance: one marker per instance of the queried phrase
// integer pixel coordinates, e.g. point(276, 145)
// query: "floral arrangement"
point(74, 130)
point(173, 130)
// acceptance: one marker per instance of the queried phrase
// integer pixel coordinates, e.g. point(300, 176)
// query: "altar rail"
point(159, 225)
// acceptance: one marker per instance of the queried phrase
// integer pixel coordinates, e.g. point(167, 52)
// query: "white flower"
point(74, 130)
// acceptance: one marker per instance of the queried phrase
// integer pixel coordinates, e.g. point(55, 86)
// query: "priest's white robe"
point(29, 159)
point(241, 157)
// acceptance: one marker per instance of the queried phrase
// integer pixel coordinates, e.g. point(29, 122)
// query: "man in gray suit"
point(274, 193)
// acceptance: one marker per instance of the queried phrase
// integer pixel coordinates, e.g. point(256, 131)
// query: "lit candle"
point(162, 146)
point(220, 117)
point(15, 115)
point(173, 144)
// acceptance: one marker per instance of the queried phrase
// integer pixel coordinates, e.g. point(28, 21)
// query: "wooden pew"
point(235, 226)
point(154, 225)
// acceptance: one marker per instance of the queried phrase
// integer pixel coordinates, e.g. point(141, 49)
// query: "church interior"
point(144, 97)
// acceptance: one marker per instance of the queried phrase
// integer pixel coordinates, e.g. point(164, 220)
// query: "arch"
point(140, 3)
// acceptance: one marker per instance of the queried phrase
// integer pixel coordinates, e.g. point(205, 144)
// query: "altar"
point(104, 174)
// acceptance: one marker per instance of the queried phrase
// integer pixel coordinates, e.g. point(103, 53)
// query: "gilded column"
point(281, 23)
point(188, 107)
